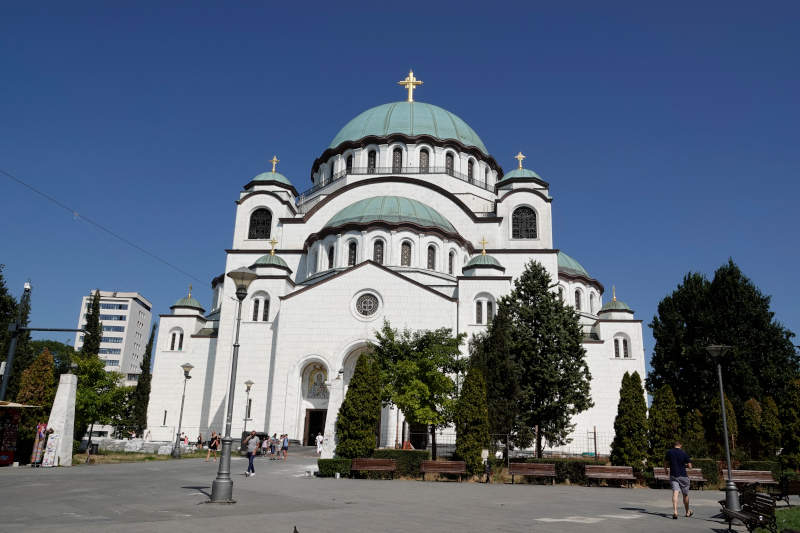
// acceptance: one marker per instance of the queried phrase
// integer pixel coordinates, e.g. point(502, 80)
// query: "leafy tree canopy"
point(663, 424)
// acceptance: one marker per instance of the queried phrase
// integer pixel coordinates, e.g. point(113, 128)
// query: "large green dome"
point(409, 118)
point(391, 209)
point(569, 265)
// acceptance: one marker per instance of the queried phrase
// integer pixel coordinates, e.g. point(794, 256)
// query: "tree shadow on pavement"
point(202, 490)
point(669, 515)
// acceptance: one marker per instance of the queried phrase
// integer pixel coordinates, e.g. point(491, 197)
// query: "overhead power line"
point(78, 216)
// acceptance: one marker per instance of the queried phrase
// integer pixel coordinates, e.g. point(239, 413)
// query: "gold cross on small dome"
point(614, 293)
point(190, 290)
point(483, 242)
point(519, 157)
point(274, 162)
point(410, 83)
point(273, 242)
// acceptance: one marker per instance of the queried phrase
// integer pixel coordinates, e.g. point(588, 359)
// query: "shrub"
point(710, 469)
point(408, 461)
point(568, 469)
point(329, 467)
point(772, 466)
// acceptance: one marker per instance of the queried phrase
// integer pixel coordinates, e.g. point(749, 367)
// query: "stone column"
point(62, 418)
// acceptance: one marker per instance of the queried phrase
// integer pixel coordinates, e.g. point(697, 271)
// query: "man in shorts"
point(677, 460)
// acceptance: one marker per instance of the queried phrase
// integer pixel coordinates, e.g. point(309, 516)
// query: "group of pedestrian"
point(276, 447)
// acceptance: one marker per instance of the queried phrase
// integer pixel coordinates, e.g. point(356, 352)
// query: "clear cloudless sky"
point(668, 132)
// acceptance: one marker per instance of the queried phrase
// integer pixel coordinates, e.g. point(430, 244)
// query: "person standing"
point(213, 446)
point(319, 443)
point(252, 447)
point(285, 446)
point(677, 460)
point(38, 444)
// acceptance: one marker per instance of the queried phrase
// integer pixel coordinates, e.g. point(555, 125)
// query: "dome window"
point(176, 340)
point(260, 224)
point(449, 164)
point(352, 249)
point(486, 175)
point(470, 170)
point(431, 257)
point(577, 299)
point(330, 257)
point(377, 252)
point(397, 160)
point(405, 254)
point(523, 223)
point(349, 164)
point(372, 161)
point(451, 259)
point(424, 161)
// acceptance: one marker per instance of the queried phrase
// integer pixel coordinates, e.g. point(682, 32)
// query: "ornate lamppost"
point(222, 487)
point(248, 384)
point(176, 450)
point(716, 351)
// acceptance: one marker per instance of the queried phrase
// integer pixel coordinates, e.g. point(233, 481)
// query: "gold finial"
point(274, 162)
point(519, 157)
point(483, 242)
point(273, 242)
point(614, 293)
point(190, 290)
point(410, 83)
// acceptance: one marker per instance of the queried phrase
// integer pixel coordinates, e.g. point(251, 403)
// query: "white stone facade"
point(313, 326)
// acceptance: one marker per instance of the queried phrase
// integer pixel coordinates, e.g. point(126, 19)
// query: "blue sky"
point(668, 133)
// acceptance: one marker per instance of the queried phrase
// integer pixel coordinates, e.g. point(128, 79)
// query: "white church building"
point(408, 219)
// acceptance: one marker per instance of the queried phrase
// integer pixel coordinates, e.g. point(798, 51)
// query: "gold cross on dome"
point(274, 162)
point(273, 242)
point(410, 83)
point(614, 292)
point(519, 157)
point(483, 242)
point(190, 290)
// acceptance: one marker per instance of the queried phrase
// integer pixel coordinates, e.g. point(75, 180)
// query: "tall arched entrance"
point(314, 388)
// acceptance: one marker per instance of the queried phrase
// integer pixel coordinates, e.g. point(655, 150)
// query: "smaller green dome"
point(616, 305)
point(568, 265)
point(273, 176)
point(391, 209)
point(520, 173)
point(188, 301)
point(483, 261)
point(271, 260)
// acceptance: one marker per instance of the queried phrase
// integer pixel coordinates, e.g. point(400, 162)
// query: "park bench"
point(443, 467)
point(533, 470)
point(374, 465)
point(788, 488)
point(695, 475)
point(758, 510)
point(747, 477)
point(609, 473)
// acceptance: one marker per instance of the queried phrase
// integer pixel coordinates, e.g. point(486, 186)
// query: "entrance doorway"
point(315, 423)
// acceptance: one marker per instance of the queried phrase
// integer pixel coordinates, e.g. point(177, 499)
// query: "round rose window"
point(367, 304)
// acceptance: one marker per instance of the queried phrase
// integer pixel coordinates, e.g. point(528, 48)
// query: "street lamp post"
point(716, 351)
point(176, 451)
point(248, 384)
point(222, 487)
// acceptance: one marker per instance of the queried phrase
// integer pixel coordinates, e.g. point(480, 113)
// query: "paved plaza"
point(169, 496)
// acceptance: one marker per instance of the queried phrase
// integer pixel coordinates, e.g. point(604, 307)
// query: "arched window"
point(523, 223)
point(489, 311)
point(176, 340)
point(577, 299)
point(451, 260)
point(260, 224)
point(330, 256)
point(424, 161)
point(256, 302)
point(333, 169)
point(397, 160)
point(372, 161)
point(486, 175)
point(484, 308)
point(561, 292)
point(377, 252)
point(352, 248)
point(265, 311)
point(405, 254)
point(349, 164)
point(591, 302)
point(616, 348)
point(431, 257)
point(470, 170)
point(449, 163)
point(479, 312)
point(625, 348)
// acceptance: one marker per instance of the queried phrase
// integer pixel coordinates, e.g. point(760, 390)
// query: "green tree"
point(629, 447)
point(694, 435)
point(360, 412)
point(35, 388)
point(472, 421)
point(62, 353)
point(96, 397)
point(93, 328)
point(121, 415)
point(790, 428)
point(490, 352)
point(713, 423)
point(750, 434)
point(726, 310)
point(141, 396)
point(663, 424)
point(546, 352)
point(770, 429)
point(415, 370)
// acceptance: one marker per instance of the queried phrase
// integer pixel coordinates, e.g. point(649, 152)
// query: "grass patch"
point(110, 458)
point(786, 518)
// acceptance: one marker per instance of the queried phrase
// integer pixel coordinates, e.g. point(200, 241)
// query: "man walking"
point(677, 460)
point(252, 447)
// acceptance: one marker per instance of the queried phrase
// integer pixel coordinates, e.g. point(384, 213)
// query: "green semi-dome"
point(393, 210)
point(483, 261)
point(568, 265)
point(409, 118)
point(520, 173)
point(273, 176)
point(271, 260)
point(616, 305)
point(188, 301)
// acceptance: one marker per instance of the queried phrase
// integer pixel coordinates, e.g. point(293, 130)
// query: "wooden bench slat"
point(533, 470)
point(621, 473)
point(374, 465)
point(443, 467)
point(763, 477)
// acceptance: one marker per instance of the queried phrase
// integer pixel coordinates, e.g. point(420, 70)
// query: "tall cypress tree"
point(141, 395)
point(472, 421)
point(360, 412)
point(663, 424)
point(750, 434)
point(770, 428)
point(629, 447)
point(694, 435)
point(94, 328)
point(714, 433)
